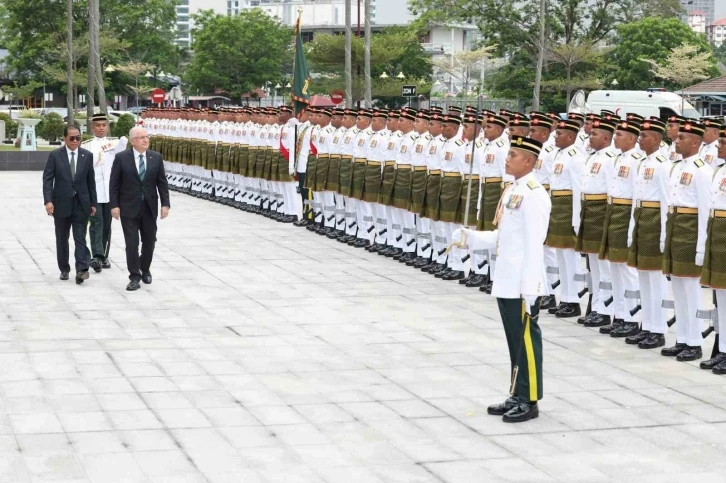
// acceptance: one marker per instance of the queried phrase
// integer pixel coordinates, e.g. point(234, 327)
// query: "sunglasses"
point(74, 138)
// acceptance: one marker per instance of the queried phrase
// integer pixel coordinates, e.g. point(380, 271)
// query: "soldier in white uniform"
point(376, 157)
point(403, 222)
point(520, 279)
point(709, 149)
point(647, 234)
point(430, 239)
point(344, 202)
point(685, 244)
point(418, 192)
point(363, 214)
point(287, 185)
point(300, 168)
point(674, 124)
point(104, 150)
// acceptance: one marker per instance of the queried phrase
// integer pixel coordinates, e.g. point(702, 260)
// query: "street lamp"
point(401, 76)
point(384, 76)
point(277, 86)
point(110, 68)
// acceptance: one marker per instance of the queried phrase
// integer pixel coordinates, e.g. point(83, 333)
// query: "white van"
point(653, 102)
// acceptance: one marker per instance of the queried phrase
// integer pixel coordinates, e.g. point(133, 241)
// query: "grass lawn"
point(10, 147)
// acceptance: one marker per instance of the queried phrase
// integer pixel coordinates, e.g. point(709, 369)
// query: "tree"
point(652, 39)
point(572, 55)
point(684, 65)
point(660, 9)
point(235, 54)
point(24, 92)
point(719, 53)
point(464, 65)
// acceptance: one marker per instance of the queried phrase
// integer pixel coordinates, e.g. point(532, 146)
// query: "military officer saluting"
point(520, 278)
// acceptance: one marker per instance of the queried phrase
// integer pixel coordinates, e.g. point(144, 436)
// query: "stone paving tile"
point(263, 353)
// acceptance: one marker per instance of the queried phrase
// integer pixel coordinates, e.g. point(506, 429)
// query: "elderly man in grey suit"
point(138, 182)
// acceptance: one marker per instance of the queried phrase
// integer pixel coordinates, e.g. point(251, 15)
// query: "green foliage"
point(123, 125)
point(719, 53)
point(236, 54)
point(51, 127)
point(650, 38)
point(28, 114)
point(11, 127)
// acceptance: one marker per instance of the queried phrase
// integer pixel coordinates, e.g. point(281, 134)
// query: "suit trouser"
point(653, 291)
point(687, 301)
point(408, 224)
point(440, 241)
point(318, 206)
point(600, 273)
point(524, 339)
point(424, 236)
point(568, 262)
point(78, 221)
point(625, 279)
point(145, 225)
point(393, 229)
point(100, 231)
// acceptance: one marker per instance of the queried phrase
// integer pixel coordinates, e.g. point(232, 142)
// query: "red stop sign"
point(158, 95)
point(336, 97)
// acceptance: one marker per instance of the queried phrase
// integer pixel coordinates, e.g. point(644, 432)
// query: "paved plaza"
point(265, 353)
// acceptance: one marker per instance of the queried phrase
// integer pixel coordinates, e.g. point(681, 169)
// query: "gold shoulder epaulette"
point(698, 163)
point(479, 144)
point(428, 137)
point(459, 142)
point(533, 184)
point(637, 155)
point(610, 154)
point(500, 143)
point(572, 152)
point(549, 149)
point(660, 158)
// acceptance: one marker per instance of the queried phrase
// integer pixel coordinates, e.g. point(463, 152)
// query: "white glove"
point(699, 258)
point(630, 241)
point(529, 301)
point(291, 171)
point(458, 236)
point(662, 246)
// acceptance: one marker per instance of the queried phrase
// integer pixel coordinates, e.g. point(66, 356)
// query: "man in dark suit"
point(136, 177)
point(69, 193)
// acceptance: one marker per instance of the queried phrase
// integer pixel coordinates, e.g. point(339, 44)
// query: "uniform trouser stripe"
point(524, 339)
point(531, 364)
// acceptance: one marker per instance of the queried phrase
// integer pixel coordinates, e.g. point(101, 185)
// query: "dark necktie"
point(73, 169)
point(142, 167)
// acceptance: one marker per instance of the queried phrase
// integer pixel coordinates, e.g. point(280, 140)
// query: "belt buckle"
point(638, 204)
point(610, 200)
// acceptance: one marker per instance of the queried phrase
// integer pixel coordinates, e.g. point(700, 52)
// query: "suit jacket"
point(58, 186)
point(127, 191)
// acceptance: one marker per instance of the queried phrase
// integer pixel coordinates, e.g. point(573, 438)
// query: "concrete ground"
point(265, 353)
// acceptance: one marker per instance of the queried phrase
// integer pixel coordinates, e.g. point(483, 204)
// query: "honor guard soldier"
point(421, 230)
point(685, 244)
point(324, 143)
point(384, 218)
point(376, 157)
point(565, 193)
point(286, 171)
point(343, 201)
point(714, 265)
point(519, 280)
point(647, 235)
point(472, 164)
point(363, 214)
point(452, 168)
point(709, 149)
point(104, 150)
point(674, 125)
point(332, 184)
point(301, 165)
point(614, 245)
point(596, 173)
point(404, 222)
point(430, 208)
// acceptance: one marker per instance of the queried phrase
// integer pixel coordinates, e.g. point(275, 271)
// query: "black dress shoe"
point(477, 280)
point(96, 265)
point(486, 288)
point(503, 408)
point(146, 279)
point(584, 318)
point(554, 310)
point(399, 255)
point(597, 320)
point(81, 277)
point(363, 243)
point(690, 353)
point(617, 323)
point(466, 279)
point(625, 330)
point(302, 222)
point(652, 341)
point(720, 369)
point(547, 302)
point(105, 264)
point(673, 351)
point(635, 339)
point(454, 275)
point(436, 267)
point(714, 361)
point(569, 310)
point(133, 285)
point(64, 276)
point(521, 412)
point(442, 273)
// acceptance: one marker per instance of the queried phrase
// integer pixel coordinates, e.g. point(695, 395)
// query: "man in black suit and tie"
point(136, 177)
point(69, 193)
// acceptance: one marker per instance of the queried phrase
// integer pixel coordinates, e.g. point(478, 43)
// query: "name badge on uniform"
point(335, 140)
point(404, 149)
point(448, 156)
point(391, 145)
point(686, 179)
point(514, 202)
point(648, 174)
point(708, 158)
point(244, 133)
point(722, 186)
point(432, 150)
point(374, 143)
point(313, 138)
point(277, 136)
point(490, 158)
point(558, 168)
point(467, 158)
point(624, 171)
point(419, 148)
point(538, 164)
point(347, 140)
point(361, 142)
point(322, 139)
point(253, 133)
point(595, 168)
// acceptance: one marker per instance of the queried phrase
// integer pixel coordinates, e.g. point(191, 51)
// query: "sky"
point(720, 9)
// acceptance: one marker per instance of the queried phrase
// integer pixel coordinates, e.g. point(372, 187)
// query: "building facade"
point(707, 8)
point(716, 32)
point(184, 11)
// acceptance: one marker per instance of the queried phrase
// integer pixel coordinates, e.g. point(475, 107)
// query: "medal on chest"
point(490, 158)
point(374, 143)
point(595, 168)
point(558, 168)
point(686, 179)
point(347, 140)
point(708, 158)
point(538, 164)
point(335, 140)
point(674, 156)
point(404, 148)
point(432, 150)
point(391, 145)
point(467, 158)
point(722, 186)
point(361, 142)
point(648, 174)
point(624, 171)
point(419, 148)
point(448, 156)
point(514, 202)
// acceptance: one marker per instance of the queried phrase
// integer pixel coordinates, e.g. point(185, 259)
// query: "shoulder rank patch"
point(500, 143)
point(549, 149)
point(428, 137)
point(610, 154)
point(572, 152)
point(660, 158)
point(533, 184)
point(637, 155)
point(399, 134)
point(663, 144)
point(698, 163)
point(479, 144)
point(583, 136)
point(459, 142)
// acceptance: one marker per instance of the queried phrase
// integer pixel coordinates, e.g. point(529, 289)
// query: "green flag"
point(300, 73)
